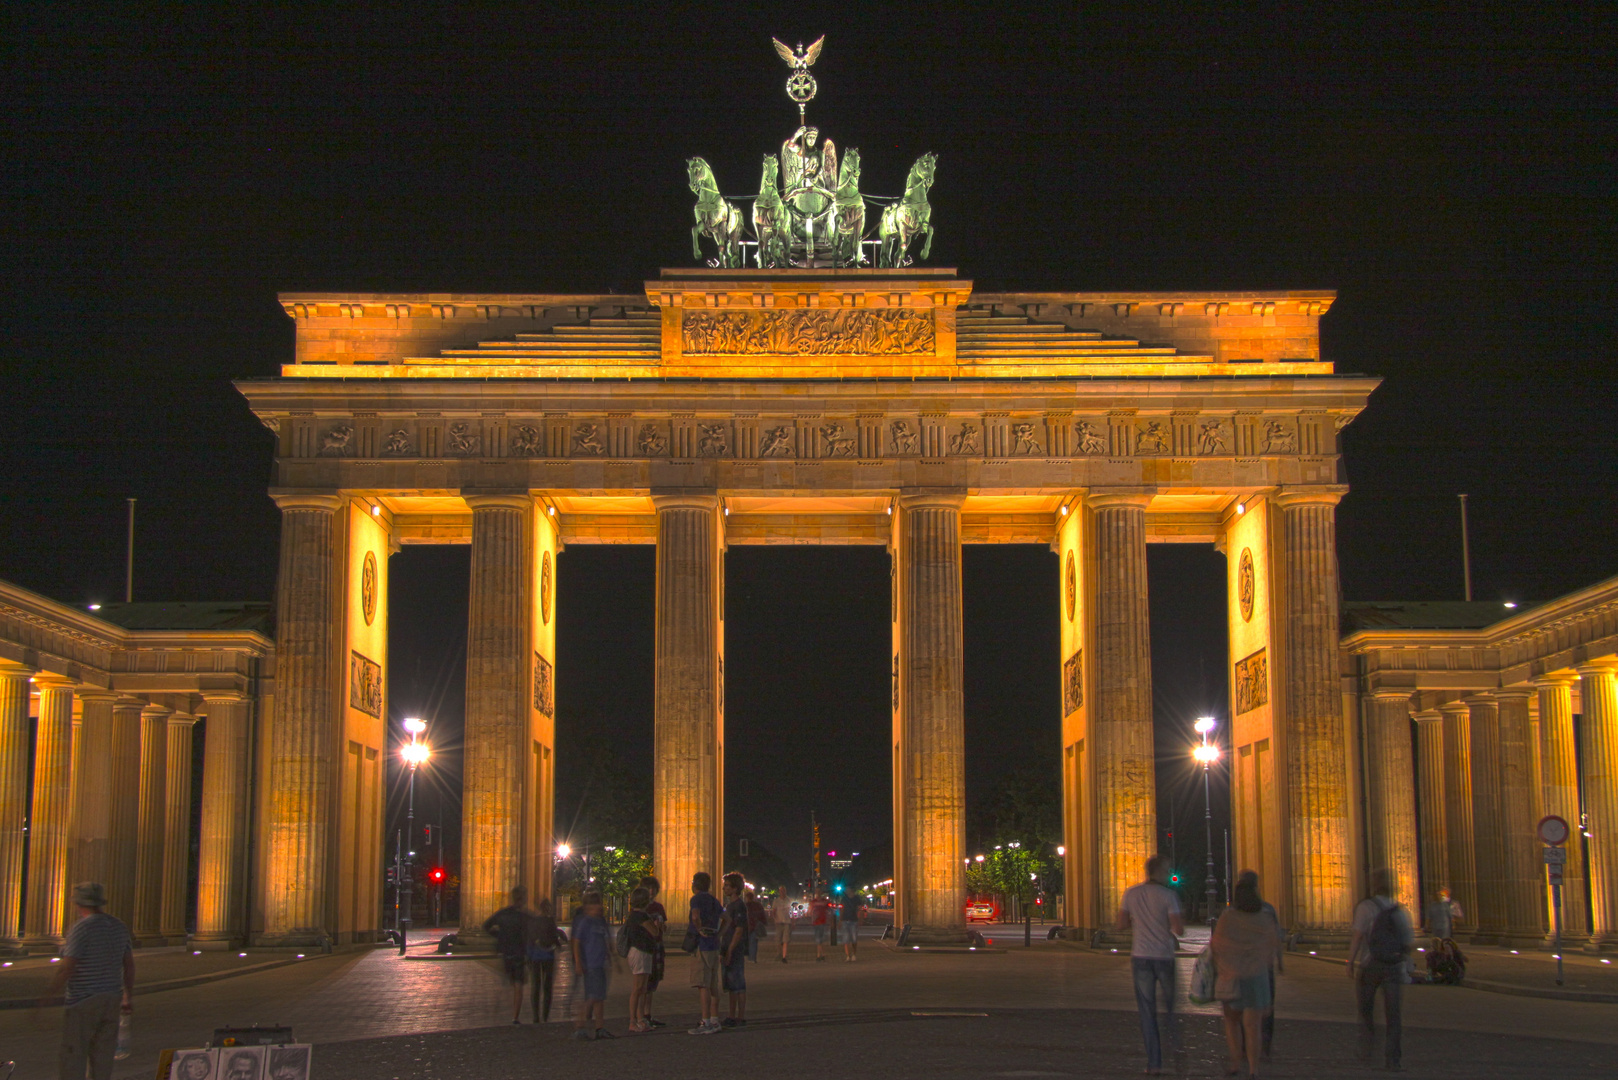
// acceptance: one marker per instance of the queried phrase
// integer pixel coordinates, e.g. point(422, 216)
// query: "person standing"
point(1442, 914)
point(542, 943)
point(849, 929)
point(660, 957)
point(1268, 908)
point(644, 932)
point(704, 922)
point(757, 920)
point(98, 970)
point(592, 954)
point(781, 914)
point(1245, 947)
point(819, 907)
point(733, 947)
point(1151, 910)
point(510, 927)
point(1378, 954)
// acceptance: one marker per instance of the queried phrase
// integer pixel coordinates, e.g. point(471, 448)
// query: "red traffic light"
point(436, 875)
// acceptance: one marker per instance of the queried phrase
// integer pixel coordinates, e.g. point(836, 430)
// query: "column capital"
point(152, 708)
point(1514, 693)
point(497, 500)
point(46, 680)
point(686, 499)
point(1607, 665)
point(931, 500)
point(180, 719)
point(293, 499)
point(1459, 707)
point(1428, 716)
point(97, 693)
point(125, 703)
point(1391, 693)
point(1555, 678)
point(1290, 495)
point(12, 670)
point(223, 697)
point(1119, 498)
point(1480, 699)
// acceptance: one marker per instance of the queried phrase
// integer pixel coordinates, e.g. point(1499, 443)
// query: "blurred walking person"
point(757, 920)
point(848, 931)
point(1268, 1040)
point(510, 928)
point(781, 915)
point(1378, 954)
point(1151, 911)
point(1246, 948)
point(542, 945)
point(819, 907)
point(98, 970)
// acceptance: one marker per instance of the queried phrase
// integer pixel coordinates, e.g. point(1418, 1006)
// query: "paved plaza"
point(1051, 1010)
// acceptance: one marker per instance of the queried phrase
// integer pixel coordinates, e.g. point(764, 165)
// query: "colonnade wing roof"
point(256, 615)
point(1420, 614)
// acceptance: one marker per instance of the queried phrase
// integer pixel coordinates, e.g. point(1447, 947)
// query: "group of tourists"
point(1244, 954)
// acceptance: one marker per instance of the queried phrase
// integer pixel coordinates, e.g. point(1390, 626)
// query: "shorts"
point(736, 973)
point(516, 969)
point(820, 933)
point(705, 969)
point(783, 930)
point(641, 962)
point(848, 931)
point(1253, 993)
point(595, 984)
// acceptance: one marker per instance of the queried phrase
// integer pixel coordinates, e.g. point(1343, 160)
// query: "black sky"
point(1449, 169)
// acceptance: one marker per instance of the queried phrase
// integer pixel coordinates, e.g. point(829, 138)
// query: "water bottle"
point(123, 1037)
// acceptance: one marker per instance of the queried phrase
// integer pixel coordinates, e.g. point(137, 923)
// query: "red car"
point(983, 911)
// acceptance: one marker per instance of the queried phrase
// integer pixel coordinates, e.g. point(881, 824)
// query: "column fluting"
point(1391, 778)
point(224, 820)
point(1598, 696)
point(1458, 811)
point(152, 825)
point(1488, 846)
point(47, 889)
point(125, 803)
point(16, 733)
point(1559, 762)
point(1430, 796)
point(176, 827)
point(92, 861)
point(1522, 873)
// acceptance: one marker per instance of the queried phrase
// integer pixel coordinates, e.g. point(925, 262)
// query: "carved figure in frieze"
point(777, 442)
point(968, 440)
point(1153, 438)
point(1091, 441)
point(397, 442)
point(335, 442)
point(525, 441)
point(713, 440)
point(837, 444)
point(1252, 682)
point(1025, 441)
point(651, 441)
point(1211, 437)
point(1279, 438)
point(904, 440)
point(463, 440)
point(807, 332)
point(587, 440)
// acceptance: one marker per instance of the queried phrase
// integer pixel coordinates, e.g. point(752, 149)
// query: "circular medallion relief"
point(545, 588)
point(368, 588)
point(1072, 587)
point(1244, 584)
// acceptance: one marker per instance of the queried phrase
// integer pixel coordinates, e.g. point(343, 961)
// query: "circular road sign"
point(1553, 830)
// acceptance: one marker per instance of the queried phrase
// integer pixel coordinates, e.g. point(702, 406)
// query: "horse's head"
point(699, 176)
point(921, 173)
point(848, 178)
point(768, 182)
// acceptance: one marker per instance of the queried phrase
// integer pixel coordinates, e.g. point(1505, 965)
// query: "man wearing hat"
point(98, 968)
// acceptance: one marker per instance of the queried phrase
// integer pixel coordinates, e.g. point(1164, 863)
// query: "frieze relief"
point(1212, 437)
point(336, 442)
point(807, 332)
point(1152, 438)
point(1073, 683)
point(651, 442)
point(1092, 441)
point(544, 686)
point(1252, 682)
point(464, 440)
point(777, 442)
point(903, 437)
point(365, 685)
point(1025, 441)
point(587, 441)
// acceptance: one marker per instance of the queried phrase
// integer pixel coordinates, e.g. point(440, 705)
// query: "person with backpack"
point(1151, 910)
point(1246, 946)
point(1378, 955)
point(641, 933)
point(702, 942)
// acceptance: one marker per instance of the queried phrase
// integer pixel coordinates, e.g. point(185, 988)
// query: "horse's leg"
point(927, 245)
point(696, 248)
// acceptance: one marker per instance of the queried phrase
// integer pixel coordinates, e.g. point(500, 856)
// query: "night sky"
point(1449, 170)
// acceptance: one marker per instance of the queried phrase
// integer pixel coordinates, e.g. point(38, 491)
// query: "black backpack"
point(1385, 944)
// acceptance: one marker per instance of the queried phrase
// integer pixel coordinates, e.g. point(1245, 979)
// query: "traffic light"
point(436, 875)
point(392, 875)
point(1176, 879)
point(837, 888)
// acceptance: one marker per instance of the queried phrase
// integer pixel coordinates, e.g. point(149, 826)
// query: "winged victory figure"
point(803, 59)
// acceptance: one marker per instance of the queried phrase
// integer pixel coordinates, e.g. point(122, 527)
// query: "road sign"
point(1553, 830)
point(1555, 872)
point(1555, 856)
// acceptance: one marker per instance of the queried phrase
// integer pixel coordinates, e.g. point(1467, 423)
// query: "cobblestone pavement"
point(378, 996)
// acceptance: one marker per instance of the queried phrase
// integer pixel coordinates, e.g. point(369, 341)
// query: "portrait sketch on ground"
point(194, 1065)
point(288, 1063)
point(241, 1062)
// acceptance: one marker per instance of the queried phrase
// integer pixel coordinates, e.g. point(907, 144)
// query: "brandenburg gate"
point(821, 405)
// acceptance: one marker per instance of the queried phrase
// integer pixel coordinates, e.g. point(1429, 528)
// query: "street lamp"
point(414, 754)
point(1207, 752)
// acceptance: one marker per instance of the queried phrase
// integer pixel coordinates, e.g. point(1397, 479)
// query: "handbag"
point(689, 942)
point(1204, 977)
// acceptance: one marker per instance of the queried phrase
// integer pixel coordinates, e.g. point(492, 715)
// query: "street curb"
point(174, 984)
point(1489, 986)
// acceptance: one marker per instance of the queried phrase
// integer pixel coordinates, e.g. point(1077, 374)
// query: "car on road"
point(982, 911)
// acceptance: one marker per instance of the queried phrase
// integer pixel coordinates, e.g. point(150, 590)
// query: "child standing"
point(591, 957)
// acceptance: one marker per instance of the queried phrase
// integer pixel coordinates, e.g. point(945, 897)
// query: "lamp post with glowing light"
point(1207, 752)
point(414, 754)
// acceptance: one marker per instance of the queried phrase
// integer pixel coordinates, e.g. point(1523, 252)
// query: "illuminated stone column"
point(125, 816)
point(224, 820)
point(1317, 781)
point(176, 827)
point(1522, 873)
point(1458, 811)
point(304, 731)
point(687, 775)
point(1430, 795)
point(1558, 758)
point(48, 822)
point(1391, 776)
point(1488, 846)
point(497, 688)
point(1598, 695)
point(154, 750)
point(92, 859)
point(16, 732)
point(1121, 722)
point(932, 742)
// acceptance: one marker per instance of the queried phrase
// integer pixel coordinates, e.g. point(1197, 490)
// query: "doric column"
point(1391, 776)
point(1488, 846)
point(176, 827)
point(92, 861)
point(125, 801)
point(1430, 794)
point(932, 742)
point(1458, 810)
point(303, 734)
point(1522, 873)
point(687, 779)
point(1121, 722)
point(46, 906)
point(15, 735)
point(223, 846)
point(1317, 788)
point(1598, 694)
point(497, 666)
point(1558, 759)
point(154, 751)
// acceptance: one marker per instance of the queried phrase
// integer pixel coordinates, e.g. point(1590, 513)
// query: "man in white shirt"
point(1152, 911)
point(1378, 953)
point(781, 916)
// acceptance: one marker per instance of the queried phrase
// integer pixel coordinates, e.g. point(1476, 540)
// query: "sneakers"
point(581, 1035)
point(603, 1033)
point(706, 1027)
point(638, 1028)
point(653, 1022)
